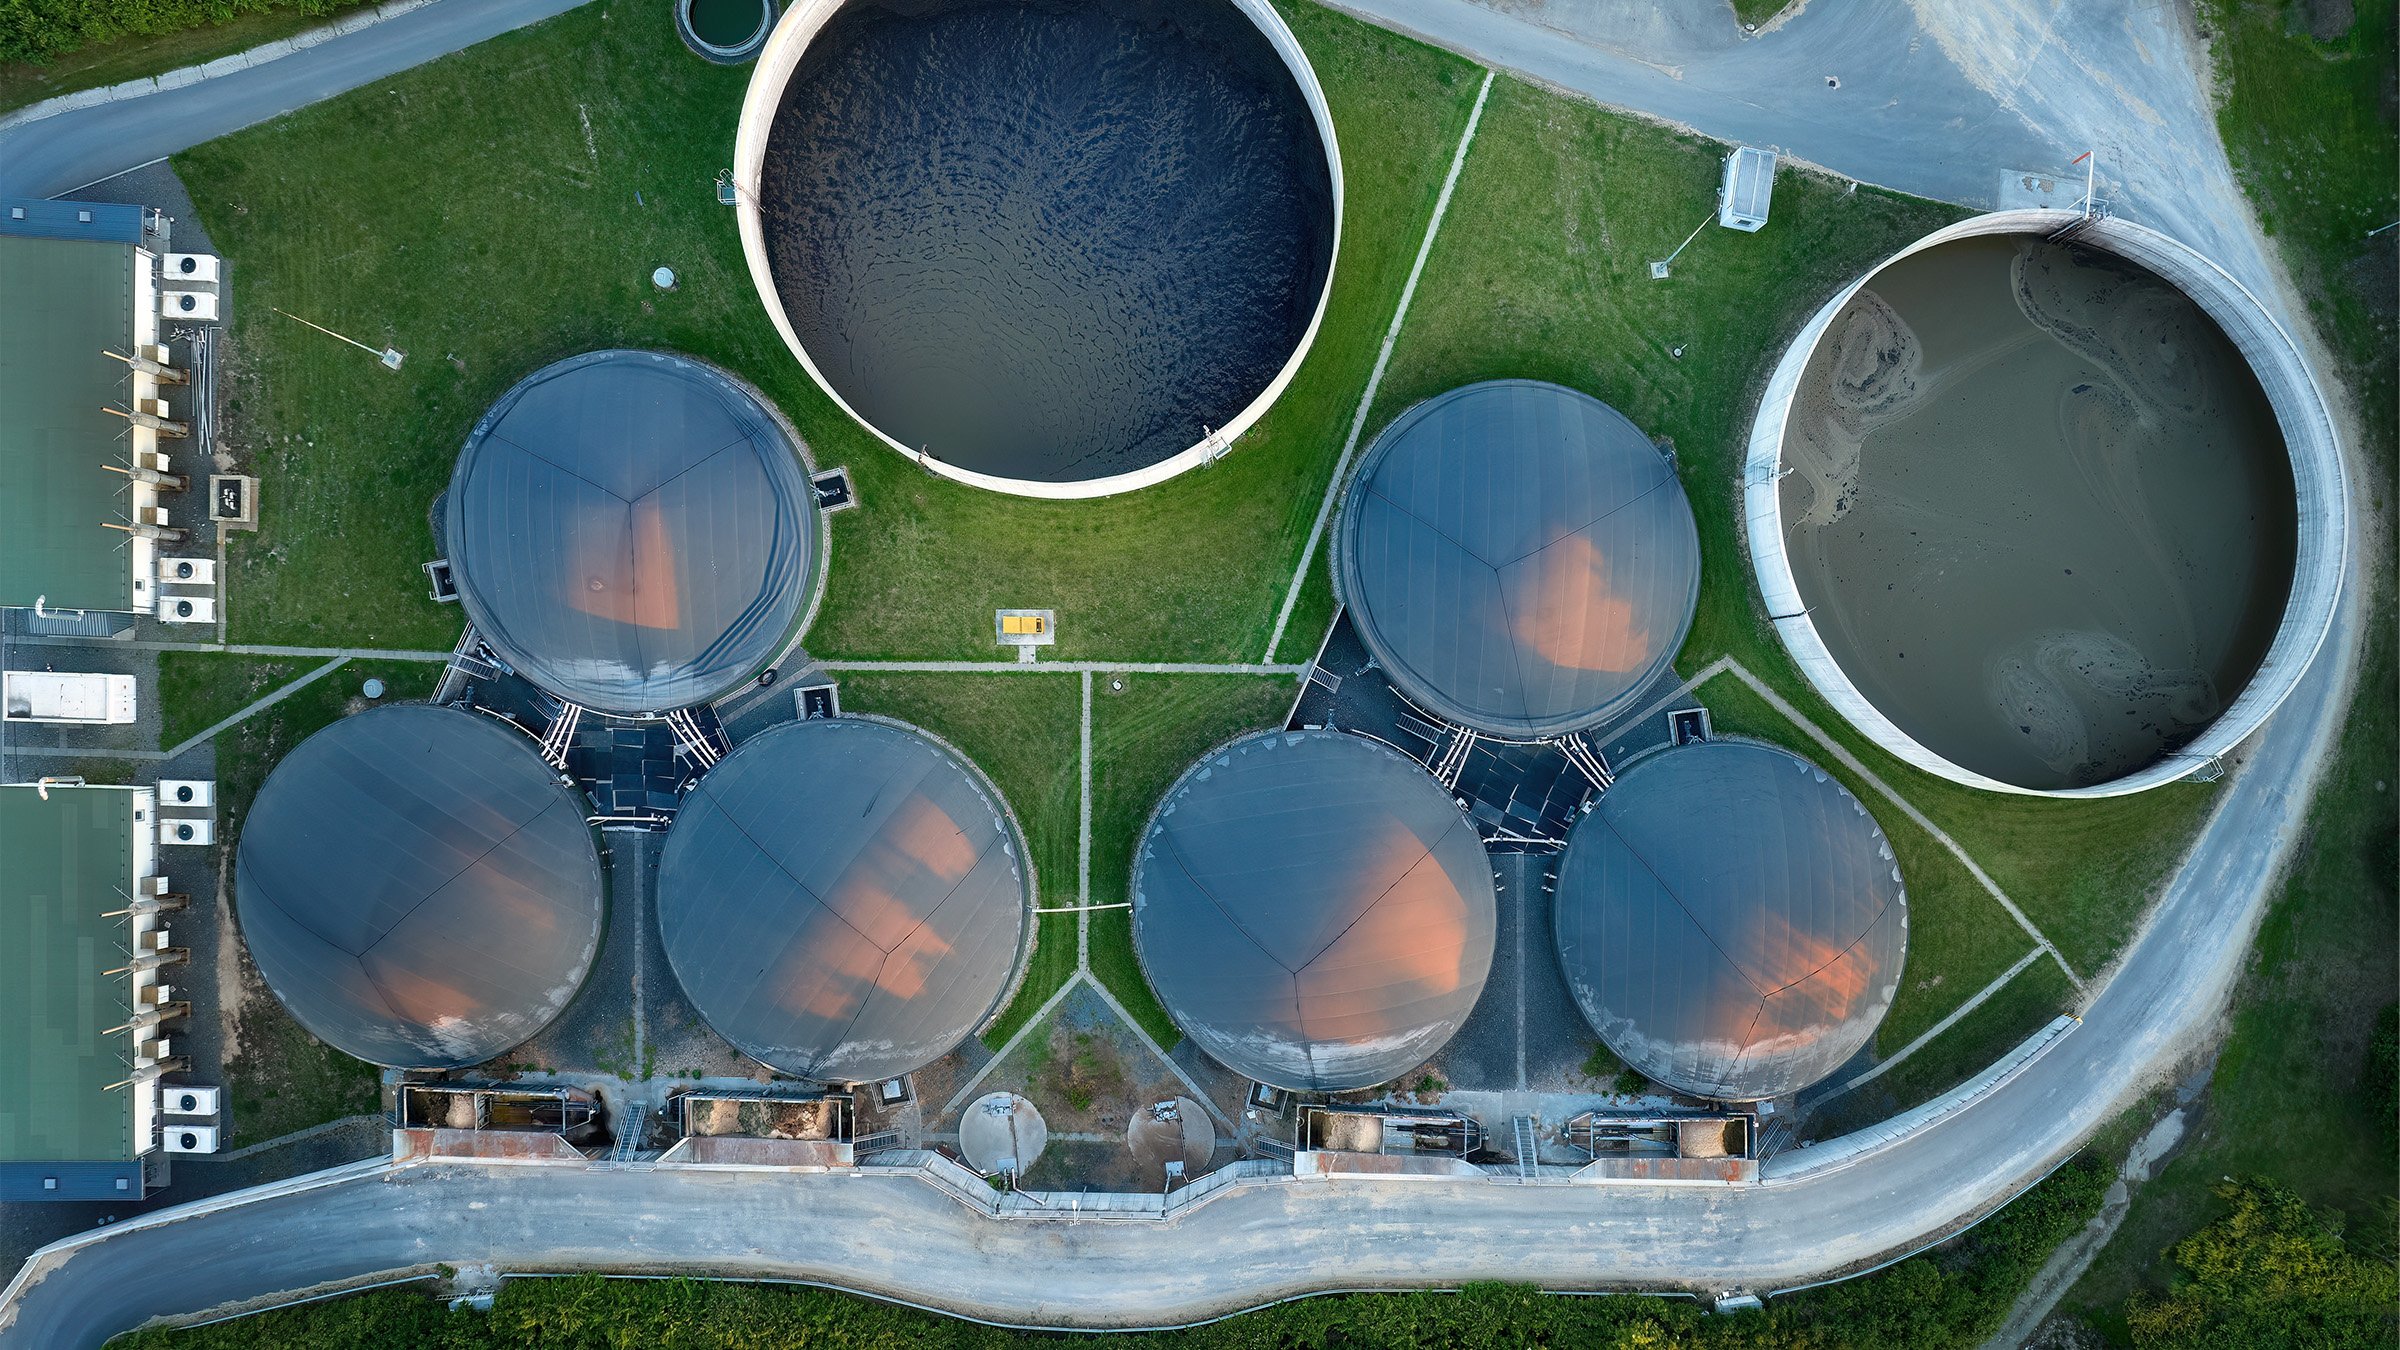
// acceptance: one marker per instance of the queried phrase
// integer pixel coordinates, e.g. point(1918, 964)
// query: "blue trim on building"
point(21, 1182)
point(101, 222)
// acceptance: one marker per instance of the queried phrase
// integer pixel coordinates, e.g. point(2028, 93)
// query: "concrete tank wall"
point(2309, 437)
point(781, 56)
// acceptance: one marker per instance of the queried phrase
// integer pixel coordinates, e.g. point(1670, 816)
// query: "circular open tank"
point(1519, 557)
point(1731, 920)
point(1057, 249)
point(632, 531)
point(418, 888)
point(1314, 910)
point(2028, 514)
point(844, 900)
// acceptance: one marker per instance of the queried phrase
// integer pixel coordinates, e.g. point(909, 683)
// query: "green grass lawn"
point(2310, 127)
point(460, 213)
point(283, 1079)
point(1759, 11)
point(1143, 738)
point(196, 690)
point(1026, 731)
point(135, 58)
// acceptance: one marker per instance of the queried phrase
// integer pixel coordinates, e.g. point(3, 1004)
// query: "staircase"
point(693, 739)
point(561, 735)
point(1529, 1163)
point(1587, 761)
point(631, 1131)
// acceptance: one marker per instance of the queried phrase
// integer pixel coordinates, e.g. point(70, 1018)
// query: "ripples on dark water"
point(1045, 240)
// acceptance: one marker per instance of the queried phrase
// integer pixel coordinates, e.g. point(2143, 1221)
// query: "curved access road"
point(59, 153)
point(2021, 75)
point(904, 1238)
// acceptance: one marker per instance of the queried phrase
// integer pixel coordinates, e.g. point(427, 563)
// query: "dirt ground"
point(1088, 1074)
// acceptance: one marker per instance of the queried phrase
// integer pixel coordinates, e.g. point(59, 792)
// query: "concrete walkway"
point(56, 154)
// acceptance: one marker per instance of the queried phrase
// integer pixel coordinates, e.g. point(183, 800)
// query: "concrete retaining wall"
point(2317, 478)
point(781, 56)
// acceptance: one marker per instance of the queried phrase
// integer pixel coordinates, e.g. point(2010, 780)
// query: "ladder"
point(1529, 1164)
point(1587, 761)
point(1454, 758)
point(560, 735)
point(693, 740)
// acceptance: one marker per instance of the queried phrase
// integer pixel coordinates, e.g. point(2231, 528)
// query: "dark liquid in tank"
point(1043, 240)
point(2040, 508)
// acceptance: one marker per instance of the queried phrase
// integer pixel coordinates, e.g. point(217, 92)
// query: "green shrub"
point(38, 30)
point(2273, 1272)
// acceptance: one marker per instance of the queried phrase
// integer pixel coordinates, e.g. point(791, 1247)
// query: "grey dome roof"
point(632, 531)
point(1519, 557)
point(1731, 920)
point(418, 888)
point(1314, 910)
point(843, 900)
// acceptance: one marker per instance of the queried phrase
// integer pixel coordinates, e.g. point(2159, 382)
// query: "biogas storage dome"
point(1059, 248)
point(418, 887)
point(1519, 557)
point(1314, 910)
point(632, 531)
point(2048, 506)
point(1731, 920)
point(844, 900)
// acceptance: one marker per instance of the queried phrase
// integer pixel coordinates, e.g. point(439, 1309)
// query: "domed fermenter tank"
point(844, 900)
point(2047, 506)
point(633, 531)
point(1731, 920)
point(1314, 910)
point(1519, 557)
point(1056, 248)
point(418, 888)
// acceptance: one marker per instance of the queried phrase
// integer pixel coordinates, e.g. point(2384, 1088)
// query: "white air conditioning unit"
point(183, 793)
point(191, 1138)
point(198, 269)
point(198, 830)
point(188, 571)
point(198, 306)
point(176, 1099)
point(187, 609)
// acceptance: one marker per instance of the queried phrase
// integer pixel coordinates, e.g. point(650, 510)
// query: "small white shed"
point(1749, 184)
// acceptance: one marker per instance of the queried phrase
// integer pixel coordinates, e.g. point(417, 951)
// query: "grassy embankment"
point(23, 83)
point(2310, 124)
